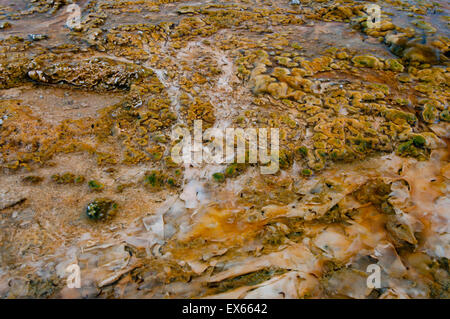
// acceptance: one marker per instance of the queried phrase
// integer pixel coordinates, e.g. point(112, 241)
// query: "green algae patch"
point(67, 178)
point(303, 151)
point(5, 25)
point(430, 113)
point(219, 177)
point(414, 147)
point(235, 169)
point(419, 140)
point(445, 116)
point(95, 185)
point(306, 172)
point(398, 116)
point(377, 193)
point(155, 179)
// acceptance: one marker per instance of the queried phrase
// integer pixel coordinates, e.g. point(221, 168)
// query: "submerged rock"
point(412, 49)
point(395, 65)
point(367, 61)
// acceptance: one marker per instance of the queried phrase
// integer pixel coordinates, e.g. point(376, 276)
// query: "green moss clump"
point(395, 65)
point(159, 138)
point(343, 154)
point(63, 179)
point(296, 45)
point(230, 170)
point(95, 186)
point(101, 209)
point(286, 159)
point(67, 178)
point(414, 147)
point(79, 179)
point(362, 145)
point(403, 147)
point(155, 179)
point(219, 177)
point(157, 156)
point(445, 116)
point(306, 172)
point(430, 113)
point(419, 140)
point(303, 151)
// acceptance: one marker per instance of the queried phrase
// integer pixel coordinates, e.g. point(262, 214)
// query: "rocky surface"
point(87, 113)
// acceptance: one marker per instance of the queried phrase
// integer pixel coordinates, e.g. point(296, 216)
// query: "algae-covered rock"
point(386, 25)
point(445, 115)
point(95, 73)
point(412, 49)
point(13, 73)
point(342, 55)
point(414, 147)
point(395, 65)
point(67, 178)
point(260, 83)
point(422, 53)
point(280, 73)
point(426, 26)
point(367, 61)
point(404, 78)
point(430, 113)
point(278, 89)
